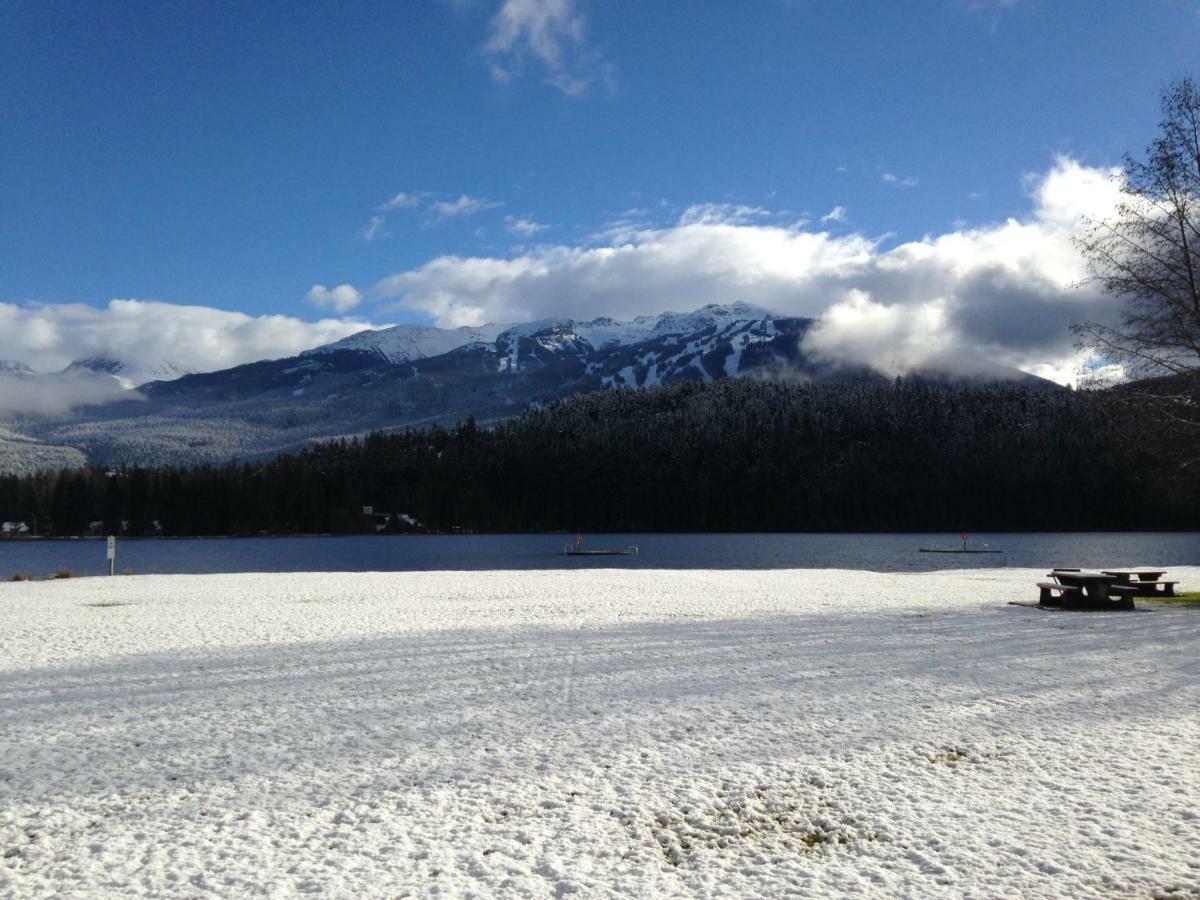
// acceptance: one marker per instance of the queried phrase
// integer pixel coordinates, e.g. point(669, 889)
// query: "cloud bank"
point(52, 395)
point(1003, 292)
point(50, 336)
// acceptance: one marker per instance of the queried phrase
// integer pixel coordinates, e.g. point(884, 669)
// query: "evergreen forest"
point(733, 455)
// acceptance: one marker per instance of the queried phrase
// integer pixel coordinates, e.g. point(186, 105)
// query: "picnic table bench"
point(1145, 582)
point(1081, 589)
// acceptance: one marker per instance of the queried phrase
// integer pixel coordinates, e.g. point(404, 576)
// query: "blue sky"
point(234, 155)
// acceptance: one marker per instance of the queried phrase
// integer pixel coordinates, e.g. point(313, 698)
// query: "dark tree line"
point(735, 455)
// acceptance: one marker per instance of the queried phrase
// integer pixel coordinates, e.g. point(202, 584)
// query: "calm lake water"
point(878, 552)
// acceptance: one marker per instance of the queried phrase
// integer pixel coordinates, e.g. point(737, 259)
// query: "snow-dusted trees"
point(736, 455)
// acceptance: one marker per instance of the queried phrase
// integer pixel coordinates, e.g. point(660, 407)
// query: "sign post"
point(112, 554)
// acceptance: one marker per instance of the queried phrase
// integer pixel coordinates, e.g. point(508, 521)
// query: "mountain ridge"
point(379, 380)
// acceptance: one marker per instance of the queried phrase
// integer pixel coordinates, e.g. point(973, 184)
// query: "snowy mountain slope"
point(130, 373)
point(24, 457)
point(404, 343)
point(372, 382)
point(21, 454)
point(705, 344)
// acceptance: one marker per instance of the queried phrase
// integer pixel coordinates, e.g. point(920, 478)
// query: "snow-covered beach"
point(611, 733)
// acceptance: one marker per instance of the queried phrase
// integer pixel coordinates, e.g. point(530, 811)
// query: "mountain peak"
point(708, 316)
point(14, 367)
point(129, 372)
point(101, 364)
point(405, 343)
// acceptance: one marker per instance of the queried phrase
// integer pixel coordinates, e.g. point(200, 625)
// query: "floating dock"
point(932, 550)
point(576, 551)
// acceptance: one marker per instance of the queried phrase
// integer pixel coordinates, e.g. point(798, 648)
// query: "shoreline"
point(949, 535)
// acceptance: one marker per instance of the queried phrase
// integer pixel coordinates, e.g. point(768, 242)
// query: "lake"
point(366, 553)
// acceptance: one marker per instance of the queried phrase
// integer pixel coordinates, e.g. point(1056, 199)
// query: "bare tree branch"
point(1146, 255)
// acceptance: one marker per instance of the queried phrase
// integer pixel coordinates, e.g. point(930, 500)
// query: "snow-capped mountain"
point(396, 378)
point(14, 367)
point(129, 373)
point(705, 344)
point(408, 343)
point(404, 343)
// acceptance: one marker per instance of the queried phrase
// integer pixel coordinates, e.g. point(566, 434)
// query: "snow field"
point(607, 733)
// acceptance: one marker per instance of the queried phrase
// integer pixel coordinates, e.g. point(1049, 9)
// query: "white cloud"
point(837, 214)
point(523, 226)
point(721, 214)
point(907, 181)
point(1001, 292)
point(50, 336)
point(376, 228)
point(438, 211)
point(552, 32)
point(891, 338)
point(463, 207)
point(403, 200)
point(1073, 192)
point(682, 266)
point(52, 395)
point(340, 299)
point(989, 12)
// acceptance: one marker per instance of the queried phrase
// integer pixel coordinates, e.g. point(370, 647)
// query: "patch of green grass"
point(948, 756)
point(1187, 598)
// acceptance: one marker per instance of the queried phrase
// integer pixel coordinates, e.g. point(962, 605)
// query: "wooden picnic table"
point(1095, 585)
point(1139, 574)
point(1103, 589)
point(1147, 582)
point(1090, 590)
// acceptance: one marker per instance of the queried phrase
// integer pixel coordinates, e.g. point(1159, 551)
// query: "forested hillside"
point(731, 455)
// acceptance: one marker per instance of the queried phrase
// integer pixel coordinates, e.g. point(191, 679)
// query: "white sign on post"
point(112, 553)
point(368, 510)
